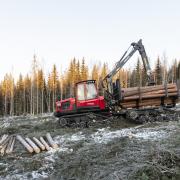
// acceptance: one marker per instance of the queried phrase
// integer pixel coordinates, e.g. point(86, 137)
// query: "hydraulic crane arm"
point(135, 47)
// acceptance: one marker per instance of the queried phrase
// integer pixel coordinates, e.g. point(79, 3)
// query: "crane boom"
point(135, 47)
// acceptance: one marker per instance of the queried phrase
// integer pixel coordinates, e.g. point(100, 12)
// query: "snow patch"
point(69, 138)
point(152, 135)
point(36, 174)
point(105, 135)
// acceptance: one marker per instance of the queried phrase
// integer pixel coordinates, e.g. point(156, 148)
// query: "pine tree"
point(19, 101)
point(95, 73)
point(5, 93)
point(158, 72)
point(54, 78)
point(104, 71)
point(133, 78)
point(34, 89)
point(70, 80)
point(49, 89)
point(41, 89)
point(27, 93)
point(8, 93)
point(78, 72)
point(84, 70)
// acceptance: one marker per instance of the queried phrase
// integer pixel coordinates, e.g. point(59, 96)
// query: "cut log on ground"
point(25, 144)
point(51, 142)
point(3, 149)
point(39, 143)
point(3, 138)
point(12, 145)
point(9, 145)
point(45, 143)
point(36, 149)
point(4, 142)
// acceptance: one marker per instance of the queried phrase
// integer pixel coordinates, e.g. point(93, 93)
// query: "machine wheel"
point(82, 124)
point(63, 122)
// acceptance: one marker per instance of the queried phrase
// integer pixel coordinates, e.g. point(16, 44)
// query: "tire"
point(63, 122)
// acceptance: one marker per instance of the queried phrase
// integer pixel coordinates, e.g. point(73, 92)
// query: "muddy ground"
point(117, 150)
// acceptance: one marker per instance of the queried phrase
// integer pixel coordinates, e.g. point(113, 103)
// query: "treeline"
point(35, 93)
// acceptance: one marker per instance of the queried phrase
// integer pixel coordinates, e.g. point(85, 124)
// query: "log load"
point(158, 95)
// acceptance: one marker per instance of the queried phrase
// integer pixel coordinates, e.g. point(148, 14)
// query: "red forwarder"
point(86, 100)
point(88, 103)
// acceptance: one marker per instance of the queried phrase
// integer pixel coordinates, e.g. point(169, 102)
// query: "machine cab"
point(86, 100)
point(87, 96)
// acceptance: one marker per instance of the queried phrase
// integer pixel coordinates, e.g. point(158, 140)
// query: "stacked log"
point(149, 96)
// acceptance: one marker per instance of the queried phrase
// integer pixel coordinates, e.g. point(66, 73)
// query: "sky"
point(98, 30)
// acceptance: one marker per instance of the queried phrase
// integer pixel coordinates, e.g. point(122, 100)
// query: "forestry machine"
point(87, 105)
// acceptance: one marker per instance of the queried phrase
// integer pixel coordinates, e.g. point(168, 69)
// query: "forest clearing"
point(89, 90)
point(110, 147)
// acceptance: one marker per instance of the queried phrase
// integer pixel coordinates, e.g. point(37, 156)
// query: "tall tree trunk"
point(24, 96)
point(49, 101)
point(42, 101)
point(31, 101)
point(5, 104)
point(12, 100)
point(37, 92)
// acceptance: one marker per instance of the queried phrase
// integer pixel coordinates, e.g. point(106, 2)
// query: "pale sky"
point(99, 30)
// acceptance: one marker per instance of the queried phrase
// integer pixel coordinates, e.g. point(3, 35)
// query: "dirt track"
point(120, 151)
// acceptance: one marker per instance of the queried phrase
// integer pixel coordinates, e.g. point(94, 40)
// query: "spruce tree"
point(84, 70)
point(104, 71)
point(158, 72)
point(95, 73)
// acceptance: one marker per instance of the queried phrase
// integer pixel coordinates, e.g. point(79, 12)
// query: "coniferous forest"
point(36, 93)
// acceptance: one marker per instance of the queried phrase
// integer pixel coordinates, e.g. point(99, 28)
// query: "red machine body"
point(86, 100)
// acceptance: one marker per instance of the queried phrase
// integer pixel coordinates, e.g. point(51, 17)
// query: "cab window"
point(80, 92)
point(91, 91)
